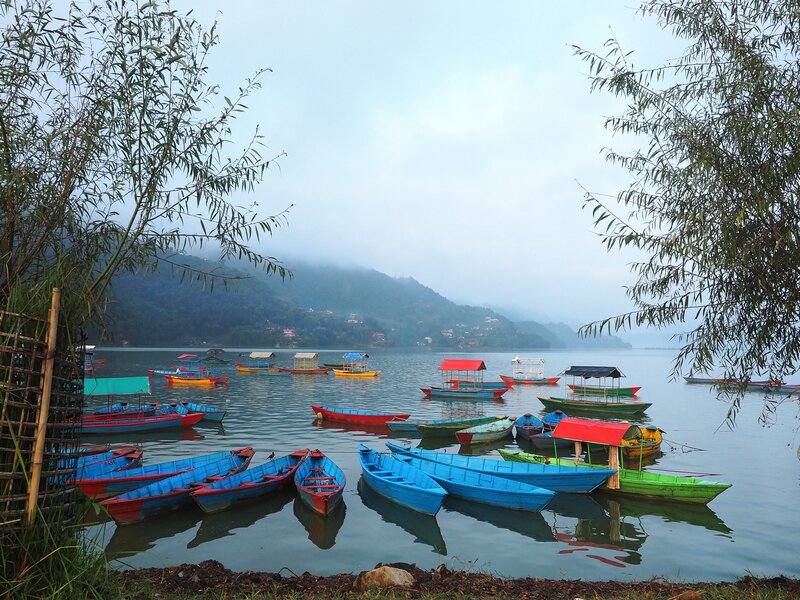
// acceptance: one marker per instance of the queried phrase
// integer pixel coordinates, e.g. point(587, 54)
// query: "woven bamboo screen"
point(23, 350)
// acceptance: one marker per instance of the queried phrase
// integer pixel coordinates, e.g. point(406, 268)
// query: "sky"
point(445, 141)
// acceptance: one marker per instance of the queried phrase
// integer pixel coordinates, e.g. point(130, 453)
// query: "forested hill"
point(318, 307)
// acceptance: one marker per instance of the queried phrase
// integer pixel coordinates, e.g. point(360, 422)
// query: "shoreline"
point(211, 578)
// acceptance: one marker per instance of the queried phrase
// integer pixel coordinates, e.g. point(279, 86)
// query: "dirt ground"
point(213, 578)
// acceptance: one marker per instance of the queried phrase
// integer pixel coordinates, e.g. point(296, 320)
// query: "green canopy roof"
point(116, 386)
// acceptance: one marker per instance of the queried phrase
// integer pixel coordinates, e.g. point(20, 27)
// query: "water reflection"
point(132, 539)
point(167, 435)
point(528, 523)
point(357, 429)
point(424, 528)
point(321, 530)
point(484, 448)
point(577, 506)
point(222, 524)
point(671, 512)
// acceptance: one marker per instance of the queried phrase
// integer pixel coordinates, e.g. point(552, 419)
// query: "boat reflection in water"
point(531, 524)
point(140, 537)
point(481, 449)
point(321, 530)
point(357, 429)
point(183, 434)
point(699, 515)
point(424, 528)
point(222, 524)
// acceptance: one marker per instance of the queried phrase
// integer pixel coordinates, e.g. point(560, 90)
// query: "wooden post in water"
point(613, 463)
point(44, 405)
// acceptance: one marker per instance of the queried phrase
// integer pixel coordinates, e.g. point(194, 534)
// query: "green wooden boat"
point(644, 484)
point(450, 426)
point(603, 390)
point(593, 405)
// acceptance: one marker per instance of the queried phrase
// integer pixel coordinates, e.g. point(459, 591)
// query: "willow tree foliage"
point(714, 198)
point(115, 150)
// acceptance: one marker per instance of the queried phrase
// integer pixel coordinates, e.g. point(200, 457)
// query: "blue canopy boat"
point(562, 479)
point(481, 487)
point(263, 480)
point(120, 482)
point(400, 482)
point(320, 483)
point(187, 408)
point(173, 492)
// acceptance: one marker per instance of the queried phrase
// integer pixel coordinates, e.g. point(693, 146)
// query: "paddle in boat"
point(528, 371)
point(559, 479)
point(608, 381)
point(120, 482)
point(355, 365)
point(320, 483)
point(400, 482)
point(306, 363)
point(184, 407)
point(173, 492)
point(594, 405)
point(450, 426)
point(257, 482)
point(259, 362)
point(487, 432)
point(634, 482)
point(482, 487)
point(349, 415)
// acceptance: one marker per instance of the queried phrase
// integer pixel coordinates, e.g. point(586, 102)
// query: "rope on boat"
point(673, 445)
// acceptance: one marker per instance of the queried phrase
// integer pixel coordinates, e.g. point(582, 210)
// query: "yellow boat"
point(260, 362)
point(355, 365)
point(346, 373)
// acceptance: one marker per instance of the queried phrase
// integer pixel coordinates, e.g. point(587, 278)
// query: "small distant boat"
point(599, 405)
point(122, 409)
point(528, 371)
point(560, 479)
point(348, 415)
point(306, 363)
point(263, 480)
point(602, 374)
point(173, 492)
point(320, 483)
point(598, 390)
point(120, 482)
point(482, 487)
point(464, 379)
point(464, 392)
point(258, 363)
point(773, 388)
point(355, 365)
point(188, 408)
point(450, 426)
point(400, 482)
point(647, 484)
point(194, 379)
point(487, 432)
point(120, 425)
point(485, 385)
point(403, 424)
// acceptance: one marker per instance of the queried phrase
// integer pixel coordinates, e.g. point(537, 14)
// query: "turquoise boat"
point(450, 426)
point(400, 482)
point(556, 478)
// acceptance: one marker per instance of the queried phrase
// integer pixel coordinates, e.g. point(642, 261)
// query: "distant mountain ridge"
point(320, 306)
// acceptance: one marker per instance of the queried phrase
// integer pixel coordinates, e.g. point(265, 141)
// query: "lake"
point(752, 528)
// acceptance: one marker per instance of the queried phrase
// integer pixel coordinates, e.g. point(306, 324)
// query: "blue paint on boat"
point(551, 419)
point(257, 482)
point(101, 468)
point(320, 483)
point(186, 408)
point(400, 482)
point(481, 487)
point(557, 478)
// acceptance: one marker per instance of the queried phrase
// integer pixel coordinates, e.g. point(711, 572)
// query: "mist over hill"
point(317, 307)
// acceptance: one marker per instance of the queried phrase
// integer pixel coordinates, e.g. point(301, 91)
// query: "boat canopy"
point(594, 372)
point(306, 355)
point(355, 355)
point(262, 355)
point(116, 386)
point(450, 364)
point(595, 432)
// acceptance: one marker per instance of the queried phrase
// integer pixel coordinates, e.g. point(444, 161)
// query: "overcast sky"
point(443, 140)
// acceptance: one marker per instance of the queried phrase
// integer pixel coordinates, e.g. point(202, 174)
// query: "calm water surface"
point(751, 528)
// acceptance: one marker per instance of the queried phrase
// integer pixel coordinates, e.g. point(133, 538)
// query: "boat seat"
point(327, 478)
point(325, 486)
point(214, 478)
point(271, 476)
point(379, 472)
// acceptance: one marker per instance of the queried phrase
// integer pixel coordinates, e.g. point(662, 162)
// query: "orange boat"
point(189, 379)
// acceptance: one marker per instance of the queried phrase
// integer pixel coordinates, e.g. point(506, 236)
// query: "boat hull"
point(323, 371)
point(594, 406)
point(598, 390)
point(196, 381)
point(320, 483)
point(450, 426)
point(362, 374)
point(483, 434)
point(645, 484)
point(479, 394)
point(356, 416)
point(155, 422)
point(530, 381)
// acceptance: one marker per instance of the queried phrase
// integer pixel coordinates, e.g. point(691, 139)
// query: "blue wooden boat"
point(120, 482)
point(263, 480)
point(188, 408)
point(122, 409)
point(403, 425)
point(99, 468)
point(561, 479)
point(320, 483)
point(400, 482)
point(467, 384)
point(134, 451)
point(96, 425)
point(527, 425)
point(481, 487)
point(174, 492)
point(552, 419)
point(471, 392)
point(449, 427)
point(546, 441)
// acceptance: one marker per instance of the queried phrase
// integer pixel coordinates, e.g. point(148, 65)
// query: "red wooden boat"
point(320, 483)
point(172, 421)
point(530, 381)
point(347, 415)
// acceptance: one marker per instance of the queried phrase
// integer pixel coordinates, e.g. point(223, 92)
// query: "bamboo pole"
point(44, 405)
